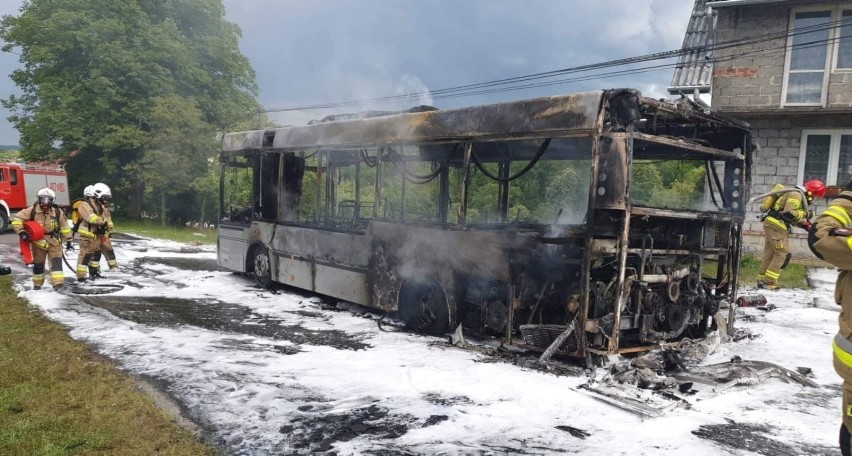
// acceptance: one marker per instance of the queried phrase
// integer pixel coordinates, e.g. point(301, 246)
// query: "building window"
point(826, 155)
point(818, 37)
point(844, 44)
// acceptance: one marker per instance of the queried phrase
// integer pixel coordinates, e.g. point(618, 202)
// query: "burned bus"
point(605, 221)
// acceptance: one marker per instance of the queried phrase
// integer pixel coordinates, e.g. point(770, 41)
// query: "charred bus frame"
point(625, 276)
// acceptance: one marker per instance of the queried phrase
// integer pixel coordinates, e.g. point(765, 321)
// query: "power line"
point(631, 71)
point(483, 87)
point(667, 54)
point(648, 69)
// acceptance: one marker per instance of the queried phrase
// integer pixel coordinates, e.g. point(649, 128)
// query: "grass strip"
point(59, 398)
point(793, 276)
point(153, 229)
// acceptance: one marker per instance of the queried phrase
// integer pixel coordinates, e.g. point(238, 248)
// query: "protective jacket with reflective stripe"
point(92, 221)
point(837, 250)
point(55, 229)
point(788, 210)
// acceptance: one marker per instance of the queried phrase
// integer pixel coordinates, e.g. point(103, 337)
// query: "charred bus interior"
point(605, 217)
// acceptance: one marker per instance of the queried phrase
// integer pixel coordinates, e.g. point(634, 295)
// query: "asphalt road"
point(8, 238)
point(11, 239)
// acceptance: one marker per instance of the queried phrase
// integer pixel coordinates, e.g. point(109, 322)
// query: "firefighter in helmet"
point(49, 246)
point(787, 211)
point(830, 239)
point(95, 228)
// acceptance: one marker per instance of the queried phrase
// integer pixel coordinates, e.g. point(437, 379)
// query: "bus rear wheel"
point(4, 221)
point(423, 307)
point(261, 267)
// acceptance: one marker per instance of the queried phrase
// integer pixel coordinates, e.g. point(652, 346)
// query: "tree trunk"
point(134, 204)
point(201, 215)
point(163, 208)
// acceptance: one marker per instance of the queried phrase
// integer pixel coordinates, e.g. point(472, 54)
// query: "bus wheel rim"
point(261, 265)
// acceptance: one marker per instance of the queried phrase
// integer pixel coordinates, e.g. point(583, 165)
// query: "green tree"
point(178, 151)
point(668, 184)
point(646, 181)
point(94, 70)
point(206, 188)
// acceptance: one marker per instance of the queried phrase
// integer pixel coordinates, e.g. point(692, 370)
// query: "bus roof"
point(568, 115)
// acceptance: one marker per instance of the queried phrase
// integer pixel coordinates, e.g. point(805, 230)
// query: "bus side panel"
point(347, 249)
point(232, 248)
point(327, 262)
point(294, 271)
point(347, 284)
point(405, 252)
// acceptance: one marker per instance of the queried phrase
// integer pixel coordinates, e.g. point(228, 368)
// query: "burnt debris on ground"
point(318, 431)
point(757, 438)
point(220, 316)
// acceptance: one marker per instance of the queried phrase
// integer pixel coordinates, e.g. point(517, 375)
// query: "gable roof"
point(694, 69)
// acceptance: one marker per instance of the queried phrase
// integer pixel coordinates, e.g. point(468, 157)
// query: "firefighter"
point(787, 211)
point(52, 220)
point(831, 240)
point(89, 202)
point(95, 227)
point(103, 197)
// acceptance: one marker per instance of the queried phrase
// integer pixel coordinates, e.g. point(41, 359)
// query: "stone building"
point(784, 66)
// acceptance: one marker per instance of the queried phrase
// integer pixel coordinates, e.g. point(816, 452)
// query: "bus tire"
point(261, 266)
point(422, 305)
point(4, 221)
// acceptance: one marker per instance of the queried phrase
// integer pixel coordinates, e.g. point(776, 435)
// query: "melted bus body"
point(613, 214)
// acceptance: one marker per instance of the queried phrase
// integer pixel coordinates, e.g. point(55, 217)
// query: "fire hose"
point(34, 232)
point(65, 260)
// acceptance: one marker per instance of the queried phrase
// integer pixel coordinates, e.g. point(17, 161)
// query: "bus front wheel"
point(423, 307)
point(261, 267)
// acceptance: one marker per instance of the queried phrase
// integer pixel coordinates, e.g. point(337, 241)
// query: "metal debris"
point(657, 382)
point(631, 399)
point(725, 375)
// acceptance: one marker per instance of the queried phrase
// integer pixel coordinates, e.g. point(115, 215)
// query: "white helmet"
point(89, 191)
point(101, 191)
point(45, 196)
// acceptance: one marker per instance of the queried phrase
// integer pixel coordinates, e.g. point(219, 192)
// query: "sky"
point(320, 51)
point(316, 367)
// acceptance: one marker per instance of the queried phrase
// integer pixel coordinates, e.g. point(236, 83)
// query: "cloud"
point(339, 51)
point(322, 51)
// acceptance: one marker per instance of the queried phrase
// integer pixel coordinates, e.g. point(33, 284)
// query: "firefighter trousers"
point(47, 251)
point(775, 251)
point(89, 258)
point(108, 252)
point(845, 373)
point(88, 246)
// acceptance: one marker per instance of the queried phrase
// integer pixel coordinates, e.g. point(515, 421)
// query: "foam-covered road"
point(268, 372)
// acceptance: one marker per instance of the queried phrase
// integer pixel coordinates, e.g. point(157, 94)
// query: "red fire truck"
point(19, 183)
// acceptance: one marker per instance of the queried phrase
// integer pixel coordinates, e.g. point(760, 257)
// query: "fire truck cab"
point(19, 183)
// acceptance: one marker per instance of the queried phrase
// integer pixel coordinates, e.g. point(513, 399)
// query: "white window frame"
point(830, 55)
point(835, 56)
point(833, 153)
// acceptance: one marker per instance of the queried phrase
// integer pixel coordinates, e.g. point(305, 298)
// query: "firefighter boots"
point(94, 273)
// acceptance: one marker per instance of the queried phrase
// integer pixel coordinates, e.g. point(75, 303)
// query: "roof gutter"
point(731, 3)
point(676, 90)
